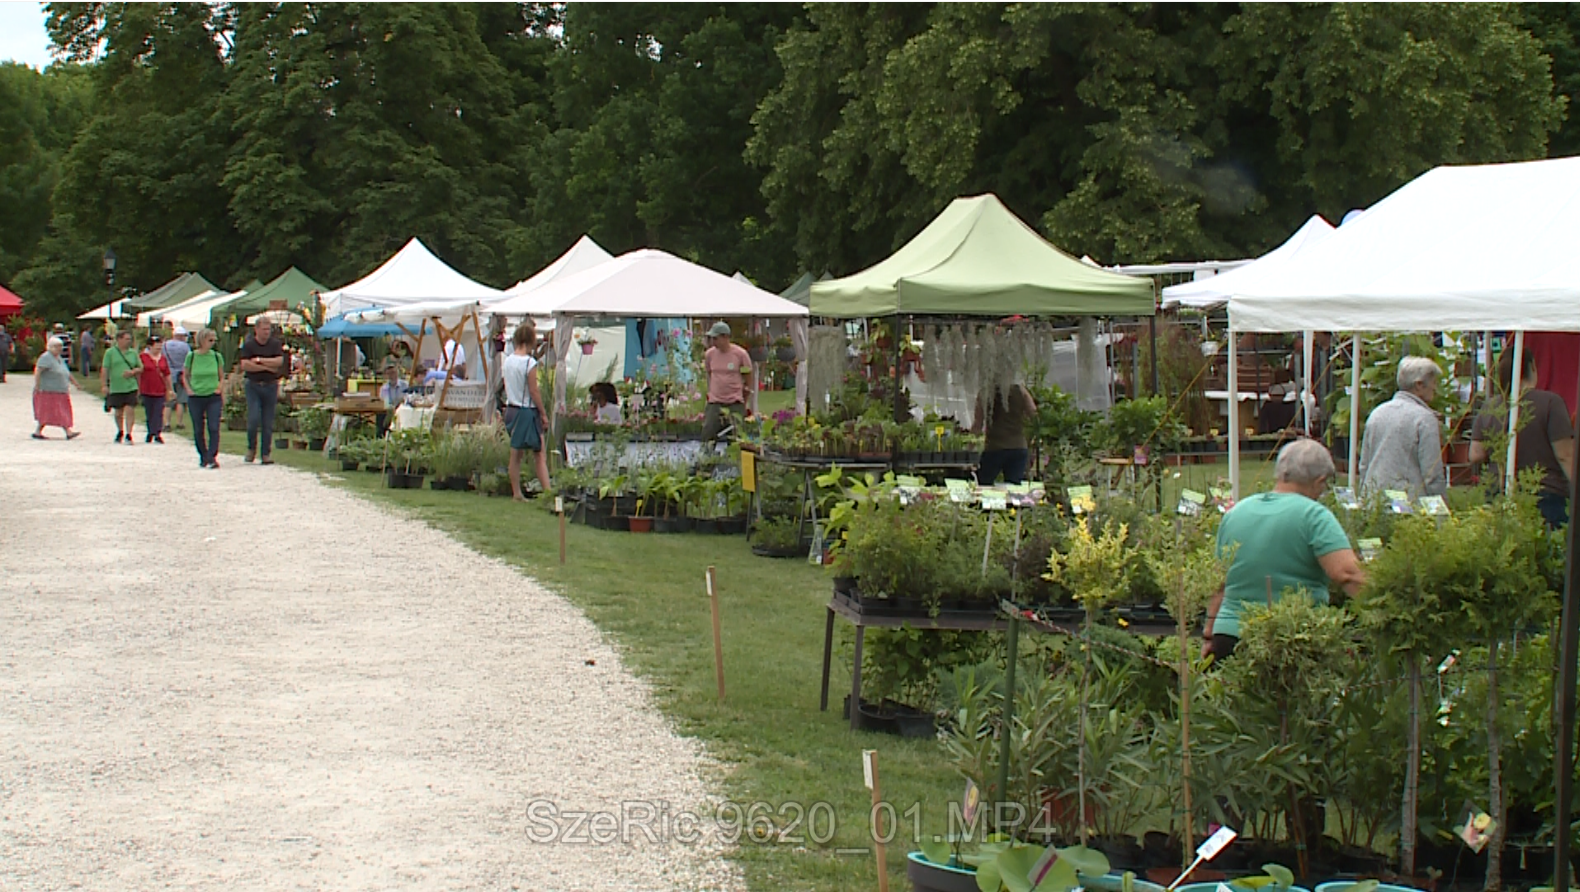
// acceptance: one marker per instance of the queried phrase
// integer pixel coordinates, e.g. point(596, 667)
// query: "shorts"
point(180, 399)
point(120, 400)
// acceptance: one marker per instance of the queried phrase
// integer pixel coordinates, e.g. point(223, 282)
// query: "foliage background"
point(236, 139)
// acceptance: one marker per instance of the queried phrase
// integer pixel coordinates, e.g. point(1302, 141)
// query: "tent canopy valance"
point(413, 274)
point(178, 290)
point(1473, 248)
point(448, 312)
point(293, 288)
point(978, 259)
point(194, 313)
point(1214, 291)
point(340, 327)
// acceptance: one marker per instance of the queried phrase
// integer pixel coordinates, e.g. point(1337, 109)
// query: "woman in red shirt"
point(152, 385)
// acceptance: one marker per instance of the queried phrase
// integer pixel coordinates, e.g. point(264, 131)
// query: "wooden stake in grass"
point(559, 508)
point(718, 639)
point(869, 770)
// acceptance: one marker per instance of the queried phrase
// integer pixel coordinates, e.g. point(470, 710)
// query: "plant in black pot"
point(408, 455)
point(352, 454)
point(313, 422)
point(778, 537)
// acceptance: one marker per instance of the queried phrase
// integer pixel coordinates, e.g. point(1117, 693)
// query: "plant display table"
point(847, 607)
point(811, 466)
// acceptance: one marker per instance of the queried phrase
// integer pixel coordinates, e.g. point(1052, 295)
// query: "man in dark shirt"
point(1545, 439)
point(264, 362)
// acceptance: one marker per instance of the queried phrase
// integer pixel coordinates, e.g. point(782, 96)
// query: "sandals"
point(38, 436)
point(72, 435)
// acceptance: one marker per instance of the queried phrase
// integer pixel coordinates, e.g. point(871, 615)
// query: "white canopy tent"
point(413, 275)
point(653, 284)
point(192, 314)
point(1214, 291)
point(115, 309)
point(1474, 248)
point(583, 255)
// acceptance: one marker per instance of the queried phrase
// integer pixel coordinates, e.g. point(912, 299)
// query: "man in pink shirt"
point(729, 372)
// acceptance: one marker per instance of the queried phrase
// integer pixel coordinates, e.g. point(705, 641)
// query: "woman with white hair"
point(1281, 541)
point(1403, 445)
point(52, 383)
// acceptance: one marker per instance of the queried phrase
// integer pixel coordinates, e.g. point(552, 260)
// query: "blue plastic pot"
point(1344, 885)
point(1115, 882)
point(925, 876)
point(1213, 887)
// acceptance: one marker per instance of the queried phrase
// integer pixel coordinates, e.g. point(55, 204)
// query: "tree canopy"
point(237, 139)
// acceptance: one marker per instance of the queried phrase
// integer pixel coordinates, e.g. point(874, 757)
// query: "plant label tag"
point(959, 490)
point(1044, 864)
point(1478, 829)
point(1191, 502)
point(559, 504)
point(1433, 506)
point(868, 760)
point(907, 480)
point(1345, 497)
point(993, 500)
point(969, 804)
point(1398, 501)
point(1223, 498)
point(1081, 501)
point(815, 555)
point(1216, 843)
point(1369, 548)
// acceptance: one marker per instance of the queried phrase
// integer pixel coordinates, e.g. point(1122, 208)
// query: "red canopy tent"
point(10, 304)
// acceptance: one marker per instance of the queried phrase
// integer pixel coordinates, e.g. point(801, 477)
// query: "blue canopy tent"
point(338, 327)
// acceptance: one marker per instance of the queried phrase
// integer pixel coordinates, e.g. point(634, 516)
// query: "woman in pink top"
point(729, 372)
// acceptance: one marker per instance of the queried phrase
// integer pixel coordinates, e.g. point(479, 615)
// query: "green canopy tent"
point(294, 288)
point(176, 291)
point(800, 291)
point(978, 259)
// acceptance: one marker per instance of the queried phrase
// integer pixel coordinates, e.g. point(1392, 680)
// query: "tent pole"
point(1307, 396)
point(1152, 350)
point(1234, 415)
point(1570, 653)
point(1514, 409)
point(899, 408)
point(1355, 409)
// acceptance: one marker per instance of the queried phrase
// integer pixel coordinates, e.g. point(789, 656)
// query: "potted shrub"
point(784, 351)
point(667, 489)
point(1007, 864)
point(587, 342)
point(352, 454)
point(234, 411)
point(314, 422)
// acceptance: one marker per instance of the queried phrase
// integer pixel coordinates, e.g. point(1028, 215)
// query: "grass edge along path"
point(781, 763)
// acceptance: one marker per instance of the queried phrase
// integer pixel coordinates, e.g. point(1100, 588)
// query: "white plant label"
point(1216, 843)
point(559, 504)
point(867, 758)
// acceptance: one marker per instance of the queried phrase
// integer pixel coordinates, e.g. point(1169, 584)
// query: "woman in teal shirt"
point(1281, 541)
point(204, 382)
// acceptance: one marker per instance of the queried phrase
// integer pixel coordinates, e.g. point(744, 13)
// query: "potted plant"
point(778, 537)
point(667, 489)
point(408, 452)
point(587, 342)
point(313, 422)
point(784, 351)
point(353, 453)
point(1001, 863)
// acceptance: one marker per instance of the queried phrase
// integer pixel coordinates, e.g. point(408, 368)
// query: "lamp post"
point(109, 279)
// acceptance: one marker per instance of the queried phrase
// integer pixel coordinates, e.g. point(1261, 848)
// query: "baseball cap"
point(179, 330)
point(719, 328)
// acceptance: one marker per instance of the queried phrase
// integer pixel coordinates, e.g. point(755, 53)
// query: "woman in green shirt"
point(204, 383)
point(118, 370)
point(1281, 541)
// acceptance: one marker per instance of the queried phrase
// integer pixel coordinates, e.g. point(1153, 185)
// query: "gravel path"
point(245, 679)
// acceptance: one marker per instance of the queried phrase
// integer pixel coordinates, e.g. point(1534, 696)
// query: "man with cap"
point(728, 370)
point(176, 351)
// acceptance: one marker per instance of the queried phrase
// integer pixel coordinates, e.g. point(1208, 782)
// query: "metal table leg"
point(855, 678)
point(828, 653)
